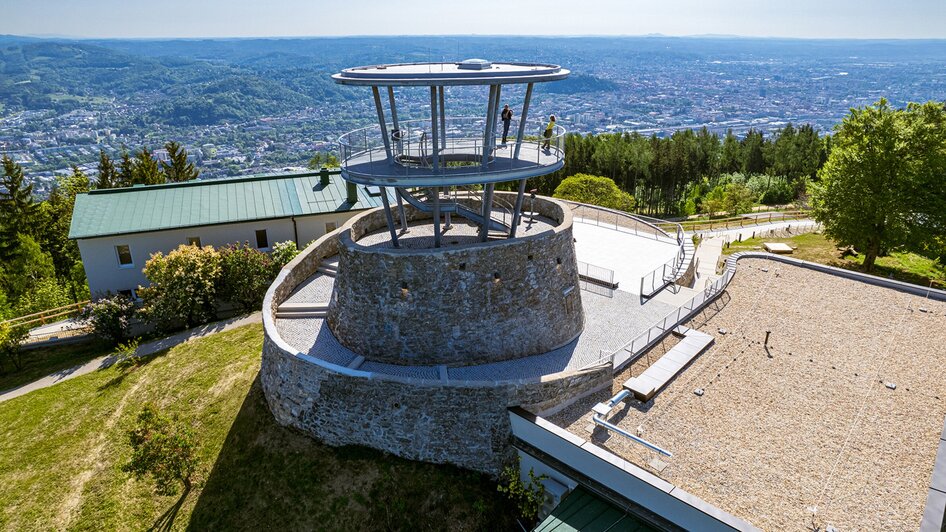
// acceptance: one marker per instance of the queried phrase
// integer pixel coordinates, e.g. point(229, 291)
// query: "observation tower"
point(450, 165)
point(413, 327)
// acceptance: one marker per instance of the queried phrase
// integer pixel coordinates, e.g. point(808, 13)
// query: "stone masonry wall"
point(458, 306)
point(460, 423)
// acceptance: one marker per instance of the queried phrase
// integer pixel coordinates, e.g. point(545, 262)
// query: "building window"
point(330, 226)
point(124, 256)
point(193, 241)
point(262, 242)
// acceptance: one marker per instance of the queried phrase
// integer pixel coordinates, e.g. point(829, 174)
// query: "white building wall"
point(105, 274)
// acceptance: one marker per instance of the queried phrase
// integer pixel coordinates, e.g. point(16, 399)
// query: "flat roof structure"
point(468, 72)
point(835, 422)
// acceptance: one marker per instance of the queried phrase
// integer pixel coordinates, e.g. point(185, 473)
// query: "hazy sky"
point(247, 18)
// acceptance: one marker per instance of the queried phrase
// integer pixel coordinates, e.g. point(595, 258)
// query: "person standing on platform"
point(507, 119)
point(548, 133)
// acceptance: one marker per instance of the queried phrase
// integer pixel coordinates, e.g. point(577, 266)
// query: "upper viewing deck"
point(468, 72)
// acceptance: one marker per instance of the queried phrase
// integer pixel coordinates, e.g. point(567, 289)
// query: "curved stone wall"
point(464, 423)
point(461, 305)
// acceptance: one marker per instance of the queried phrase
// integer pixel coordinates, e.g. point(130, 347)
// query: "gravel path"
point(811, 436)
point(145, 349)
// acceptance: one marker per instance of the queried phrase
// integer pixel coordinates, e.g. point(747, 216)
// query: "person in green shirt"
point(548, 133)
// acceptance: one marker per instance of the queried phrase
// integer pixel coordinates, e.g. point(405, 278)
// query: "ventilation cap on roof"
point(474, 64)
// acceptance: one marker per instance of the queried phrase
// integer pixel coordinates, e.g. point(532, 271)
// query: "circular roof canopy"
point(468, 72)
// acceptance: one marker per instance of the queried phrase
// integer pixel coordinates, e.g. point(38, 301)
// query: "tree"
point(752, 150)
point(46, 294)
point(108, 175)
point(28, 266)
point(882, 186)
point(126, 170)
point(164, 448)
point(595, 190)
point(18, 211)
point(179, 169)
point(183, 287)
point(738, 199)
point(323, 160)
point(731, 159)
point(145, 169)
point(54, 239)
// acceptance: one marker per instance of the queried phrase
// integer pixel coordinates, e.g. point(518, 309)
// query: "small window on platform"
point(124, 256)
point(262, 241)
point(193, 241)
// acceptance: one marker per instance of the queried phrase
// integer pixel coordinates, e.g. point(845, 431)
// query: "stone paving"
point(610, 322)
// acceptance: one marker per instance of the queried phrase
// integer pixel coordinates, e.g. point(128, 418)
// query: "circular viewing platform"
point(468, 72)
point(463, 157)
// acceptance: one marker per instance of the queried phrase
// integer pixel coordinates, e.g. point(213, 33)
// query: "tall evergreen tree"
point(57, 211)
point(18, 211)
point(108, 175)
point(731, 159)
point(145, 169)
point(126, 170)
point(754, 159)
point(179, 169)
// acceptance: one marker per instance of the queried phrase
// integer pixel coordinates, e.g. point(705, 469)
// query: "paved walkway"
point(145, 349)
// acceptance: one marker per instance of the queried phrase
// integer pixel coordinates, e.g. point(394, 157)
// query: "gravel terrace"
point(810, 436)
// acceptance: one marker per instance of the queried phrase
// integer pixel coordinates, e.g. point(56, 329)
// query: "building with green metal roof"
point(117, 230)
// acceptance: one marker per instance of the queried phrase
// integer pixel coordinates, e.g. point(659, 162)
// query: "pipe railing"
point(461, 151)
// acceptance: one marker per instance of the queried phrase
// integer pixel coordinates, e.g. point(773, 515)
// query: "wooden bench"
point(648, 383)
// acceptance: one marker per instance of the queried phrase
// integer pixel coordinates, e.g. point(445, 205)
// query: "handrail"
point(636, 218)
point(45, 315)
point(462, 148)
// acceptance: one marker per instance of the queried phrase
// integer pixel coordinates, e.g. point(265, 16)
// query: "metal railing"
point(647, 339)
point(461, 151)
point(635, 224)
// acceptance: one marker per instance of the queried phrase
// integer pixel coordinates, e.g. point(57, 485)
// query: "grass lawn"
point(814, 247)
point(62, 449)
point(39, 362)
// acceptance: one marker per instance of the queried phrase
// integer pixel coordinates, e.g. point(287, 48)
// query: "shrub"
point(183, 287)
point(594, 190)
point(109, 317)
point(527, 497)
point(163, 448)
point(246, 273)
point(11, 340)
point(283, 252)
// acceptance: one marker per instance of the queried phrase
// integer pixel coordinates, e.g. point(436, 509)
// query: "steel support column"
point(389, 216)
point(401, 213)
point(487, 211)
point(489, 125)
point(492, 130)
point(443, 120)
point(436, 197)
point(522, 120)
point(434, 129)
point(384, 126)
point(398, 148)
point(517, 210)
